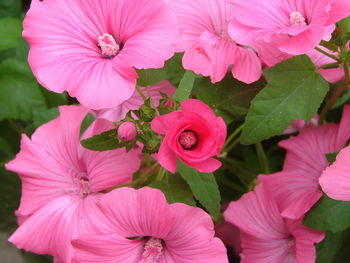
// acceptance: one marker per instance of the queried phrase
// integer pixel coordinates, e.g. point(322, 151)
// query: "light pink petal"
point(257, 214)
point(247, 66)
point(109, 249)
point(332, 75)
point(335, 180)
point(161, 124)
point(339, 10)
point(192, 237)
point(305, 41)
point(295, 193)
point(206, 166)
point(344, 129)
point(142, 212)
point(51, 228)
point(148, 29)
point(261, 250)
point(240, 33)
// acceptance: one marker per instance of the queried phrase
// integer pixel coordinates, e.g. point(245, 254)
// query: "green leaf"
point(203, 186)
point(10, 8)
point(54, 99)
point(10, 32)
point(41, 116)
point(294, 91)
point(176, 190)
point(185, 87)
point(174, 69)
point(228, 98)
point(104, 141)
point(20, 93)
point(148, 77)
point(331, 157)
point(329, 214)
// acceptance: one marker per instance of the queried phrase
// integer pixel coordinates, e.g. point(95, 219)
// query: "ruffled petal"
point(247, 66)
point(161, 124)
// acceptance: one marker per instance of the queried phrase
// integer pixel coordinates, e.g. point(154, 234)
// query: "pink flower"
point(335, 180)
point(266, 236)
point(294, 27)
point(297, 187)
point(208, 48)
point(194, 135)
point(90, 48)
point(145, 228)
point(61, 183)
point(127, 131)
point(119, 112)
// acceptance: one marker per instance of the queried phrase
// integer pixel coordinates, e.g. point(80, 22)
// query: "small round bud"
point(127, 131)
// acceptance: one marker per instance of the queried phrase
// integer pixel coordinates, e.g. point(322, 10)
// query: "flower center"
point(297, 19)
point(153, 250)
point(108, 45)
point(83, 186)
point(188, 139)
point(291, 245)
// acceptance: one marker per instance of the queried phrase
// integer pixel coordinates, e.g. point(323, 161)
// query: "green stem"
point(232, 136)
point(233, 145)
point(327, 54)
point(262, 158)
point(330, 65)
point(140, 92)
point(336, 94)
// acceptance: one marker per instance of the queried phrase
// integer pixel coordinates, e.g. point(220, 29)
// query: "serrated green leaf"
point(104, 141)
point(329, 214)
point(228, 98)
point(185, 87)
point(148, 77)
point(294, 91)
point(176, 190)
point(203, 187)
point(20, 93)
point(10, 32)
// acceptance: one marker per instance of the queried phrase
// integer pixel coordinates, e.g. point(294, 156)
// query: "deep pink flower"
point(294, 27)
point(335, 180)
point(297, 187)
point(145, 228)
point(119, 112)
point(194, 135)
point(61, 183)
point(127, 131)
point(89, 48)
point(266, 236)
point(208, 48)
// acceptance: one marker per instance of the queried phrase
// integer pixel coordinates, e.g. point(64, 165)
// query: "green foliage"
point(148, 77)
point(175, 189)
point(10, 8)
point(10, 32)
point(329, 214)
point(203, 187)
point(185, 87)
point(228, 98)
point(294, 91)
point(19, 93)
point(331, 157)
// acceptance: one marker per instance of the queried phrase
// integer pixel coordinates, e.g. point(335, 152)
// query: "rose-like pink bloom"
point(119, 112)
point(266, 236)
point(127, 131)
point(193, 134)
point(297, 187)
point(208, 48)
point(294, 27)
point(61, 183)
point(335, 180)
point(90, 48)
point(145, 228)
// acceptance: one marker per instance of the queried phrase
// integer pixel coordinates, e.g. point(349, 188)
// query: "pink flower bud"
point(127, 131)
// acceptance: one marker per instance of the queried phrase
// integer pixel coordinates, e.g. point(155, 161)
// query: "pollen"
point(108, 45)
point(188, 140)
point(297, 19)
point(153, 250)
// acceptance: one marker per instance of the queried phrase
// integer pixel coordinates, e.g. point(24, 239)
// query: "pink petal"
point(247, 66)
point(295, 193)
point(51, 228)
point(161, 124)
point(206, 166)
point(166, 157)
point(200, 108)
point(142, 212)
point(339, 10)
point(192, 237)
point(335, 179)
point(109, 249)
point(257, 214)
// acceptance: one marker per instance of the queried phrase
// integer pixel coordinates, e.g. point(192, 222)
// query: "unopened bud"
point(127, 131)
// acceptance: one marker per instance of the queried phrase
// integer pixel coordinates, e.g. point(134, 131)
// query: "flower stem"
point(231, 137)
point(327, 54)
point(262, 158)
point(140, 92)
point(330, 65)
